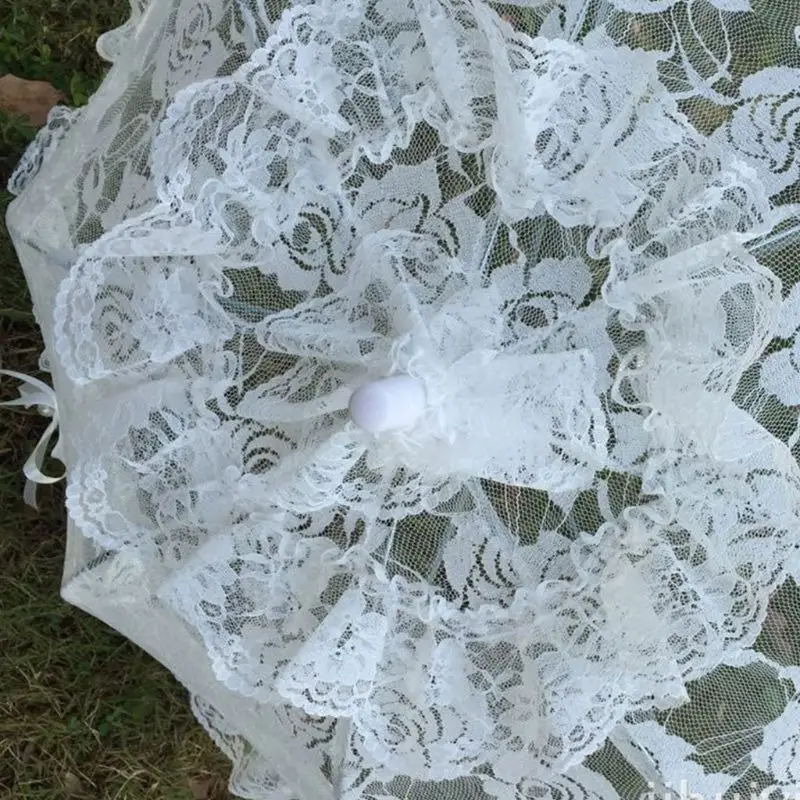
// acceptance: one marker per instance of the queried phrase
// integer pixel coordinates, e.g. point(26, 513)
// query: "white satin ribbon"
point(34, 392)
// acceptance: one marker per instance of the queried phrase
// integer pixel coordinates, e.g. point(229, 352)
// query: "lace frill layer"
point(587, 517)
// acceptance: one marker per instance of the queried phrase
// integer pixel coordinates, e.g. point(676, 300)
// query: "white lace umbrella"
point(427, 385)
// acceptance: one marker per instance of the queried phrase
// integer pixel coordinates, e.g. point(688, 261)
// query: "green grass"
point(83, 713)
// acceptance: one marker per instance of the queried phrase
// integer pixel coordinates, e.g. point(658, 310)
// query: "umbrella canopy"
point(426, 380)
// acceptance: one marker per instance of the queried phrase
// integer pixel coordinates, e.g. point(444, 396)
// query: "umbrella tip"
point(388, 404)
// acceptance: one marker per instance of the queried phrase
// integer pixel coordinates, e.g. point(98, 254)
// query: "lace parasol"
point(428, 380)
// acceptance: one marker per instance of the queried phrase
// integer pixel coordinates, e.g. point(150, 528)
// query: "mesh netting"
point(571, 225)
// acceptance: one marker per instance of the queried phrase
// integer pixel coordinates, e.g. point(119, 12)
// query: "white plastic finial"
point(388, 404)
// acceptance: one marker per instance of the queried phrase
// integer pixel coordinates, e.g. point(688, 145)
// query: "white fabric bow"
point(34, 392)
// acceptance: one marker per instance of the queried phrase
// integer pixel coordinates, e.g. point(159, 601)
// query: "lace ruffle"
point(588, 517)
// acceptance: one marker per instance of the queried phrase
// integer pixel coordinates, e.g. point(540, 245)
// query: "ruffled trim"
point(632, 607)
point(112, 44)
point(523, 647)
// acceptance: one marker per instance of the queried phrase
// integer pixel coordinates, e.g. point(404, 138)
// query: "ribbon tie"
point(34, 392)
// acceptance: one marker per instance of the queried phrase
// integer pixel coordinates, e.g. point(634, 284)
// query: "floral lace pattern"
point(59, 122)
point(570, 224)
